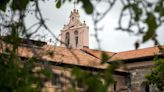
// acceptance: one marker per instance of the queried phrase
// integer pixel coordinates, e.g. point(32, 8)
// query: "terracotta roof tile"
point(97, 53)
point(80, 57)
point(61, 55)
point(151, 51)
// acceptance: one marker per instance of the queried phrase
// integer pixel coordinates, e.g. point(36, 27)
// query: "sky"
point(111, 40)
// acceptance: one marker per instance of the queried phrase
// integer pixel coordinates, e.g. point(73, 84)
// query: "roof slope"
point(84, 57)
point(61, 55)
point(97, 53)
point(133, 54)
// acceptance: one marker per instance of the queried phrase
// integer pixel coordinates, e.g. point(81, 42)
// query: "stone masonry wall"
point(138, 79)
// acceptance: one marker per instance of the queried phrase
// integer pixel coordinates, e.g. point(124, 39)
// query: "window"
point(76, 38)
point(72, 18)
point(67, 39)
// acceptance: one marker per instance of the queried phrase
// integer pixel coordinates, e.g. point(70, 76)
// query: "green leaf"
point(47, 72)
point(152, 26)
point(110, 70)
point(58, 3)
point(104, 57)
point(19, 5)
point(127, 7)
point(3, 4)
point(137, 12)
point(159, 9)
point(156, 77)
point(87, 5)
point(71, 90)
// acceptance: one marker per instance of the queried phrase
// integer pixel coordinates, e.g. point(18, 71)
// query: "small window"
point(67, 39)
point(76, 38)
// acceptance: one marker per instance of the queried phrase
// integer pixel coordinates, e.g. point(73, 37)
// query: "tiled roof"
point(133, 54)
point(61, 55)
point(85, 57)
point(97, 53)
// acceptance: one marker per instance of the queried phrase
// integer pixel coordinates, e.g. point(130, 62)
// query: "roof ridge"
point(89, 53)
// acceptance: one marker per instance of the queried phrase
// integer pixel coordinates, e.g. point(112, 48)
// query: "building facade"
point(130, 77)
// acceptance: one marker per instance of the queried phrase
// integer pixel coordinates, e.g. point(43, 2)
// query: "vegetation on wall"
point(95, 81)
point(156, 77)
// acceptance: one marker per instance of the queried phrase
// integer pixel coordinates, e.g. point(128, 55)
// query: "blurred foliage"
point(86, 4)
point(144, 17)
point(94, 81)
point(140, 11)
point(156, 77)
point(17, 75)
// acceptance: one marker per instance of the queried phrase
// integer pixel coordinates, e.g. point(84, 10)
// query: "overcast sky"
point(111, 39)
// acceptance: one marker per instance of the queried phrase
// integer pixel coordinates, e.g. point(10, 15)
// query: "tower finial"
point(74, 3)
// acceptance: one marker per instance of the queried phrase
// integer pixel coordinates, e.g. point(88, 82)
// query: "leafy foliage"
point(3, 4)
point(156, 77)
point(87, 5)
point(94, 81)
point(144, 17)
point(152, 26)
point(19, 5)
point(58, 3)
point(17, 75)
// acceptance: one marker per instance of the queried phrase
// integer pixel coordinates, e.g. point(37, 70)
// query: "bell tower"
point(75, 34)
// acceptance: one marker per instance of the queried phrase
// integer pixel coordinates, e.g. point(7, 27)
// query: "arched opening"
point(145, 87)
point(76, 38)
point(115, 86)
point(72, 18)
point(67, 39)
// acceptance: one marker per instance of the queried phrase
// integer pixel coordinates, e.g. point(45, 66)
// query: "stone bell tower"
point(75, 34)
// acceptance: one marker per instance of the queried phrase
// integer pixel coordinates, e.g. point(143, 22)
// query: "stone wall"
point(135, 82)
point(138, 81)
point(62, 81)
